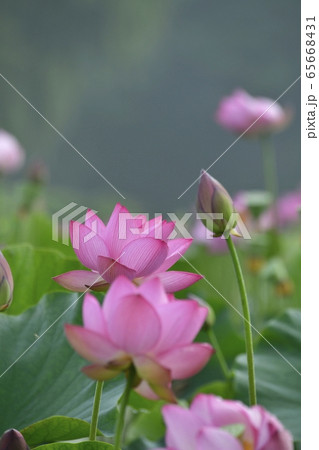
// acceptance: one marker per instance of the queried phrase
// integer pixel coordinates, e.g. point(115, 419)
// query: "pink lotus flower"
point(126, 245)
point(11, 153)
point(239, 111)
point(207, 425)
point(285, 212)
point(145, 327)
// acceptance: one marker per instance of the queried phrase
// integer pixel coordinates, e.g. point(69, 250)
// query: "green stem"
point(219, 354)
point(270, 170)
point(247, 324)
point(124, 401)
point(96, 408)
point(271, 184)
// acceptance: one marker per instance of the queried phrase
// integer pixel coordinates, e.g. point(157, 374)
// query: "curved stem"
point(247, 324)
point(124, 401)
point(219, 354)
point(96, 408)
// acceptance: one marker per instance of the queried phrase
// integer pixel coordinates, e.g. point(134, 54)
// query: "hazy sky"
point(134, 86)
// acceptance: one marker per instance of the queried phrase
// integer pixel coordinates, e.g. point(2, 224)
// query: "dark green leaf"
point(45, 378)
point(76, 446)
point(278, 380)
point(221, 388)
point(54, 429)
point(147, 424)
point(32, 270)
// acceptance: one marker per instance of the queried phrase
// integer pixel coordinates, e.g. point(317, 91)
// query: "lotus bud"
point(13, 440)
point(215, 206)
point(6, 284)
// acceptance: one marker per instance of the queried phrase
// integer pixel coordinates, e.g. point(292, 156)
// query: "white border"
point(310, 240)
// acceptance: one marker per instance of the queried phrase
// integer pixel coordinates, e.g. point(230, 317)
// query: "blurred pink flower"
point(126, 245)
point(201, 234)
point(240, 110)
point(285, 212)
point(204, 426)
point(145, 327)
point(11, 153)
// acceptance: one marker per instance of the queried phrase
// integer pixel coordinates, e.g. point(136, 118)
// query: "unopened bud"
point(216, 204)
point(13, 440)
point(6, 284)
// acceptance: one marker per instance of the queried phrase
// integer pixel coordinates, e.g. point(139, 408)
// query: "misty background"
point(134, 86)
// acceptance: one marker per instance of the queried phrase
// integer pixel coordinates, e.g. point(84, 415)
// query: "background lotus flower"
point(212, 423)
point(145, 327)
point(11, 153)
point(240, 110)
point(13, 440)
point(6, 284)
point(126, 245)
point(285, 212)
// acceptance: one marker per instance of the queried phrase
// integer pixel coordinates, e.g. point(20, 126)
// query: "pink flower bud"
point(240, 112)
point(13, 440)
point(6, 284)
point(287, 211)
point(11, 153)
point(214, 202)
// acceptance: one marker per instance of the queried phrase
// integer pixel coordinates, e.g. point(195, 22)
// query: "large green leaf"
point(146, 424)
point(76, 446)
point(55, 429)
point(278, 380)
point(45, 378)
point(32, 270)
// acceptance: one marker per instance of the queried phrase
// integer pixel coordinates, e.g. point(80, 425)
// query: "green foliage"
point(32, 270)
point(148, 424)
point(221, 388)
point(76, 446)
point(54, 429)
point(42, 390)
point(40, 375)
point(277, 365)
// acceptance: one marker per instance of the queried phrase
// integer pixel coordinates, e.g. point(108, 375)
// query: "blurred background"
point(134, 85)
